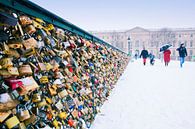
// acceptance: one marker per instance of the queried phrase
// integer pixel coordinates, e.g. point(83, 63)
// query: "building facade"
point(132, 41)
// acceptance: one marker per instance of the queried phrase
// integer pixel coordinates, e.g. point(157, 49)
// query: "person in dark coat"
point(144, 55)
point(167, 58)
point(182, 54)
point(151, 56)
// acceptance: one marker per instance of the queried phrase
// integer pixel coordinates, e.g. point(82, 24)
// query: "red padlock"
point(13, 84)
point(70, 122)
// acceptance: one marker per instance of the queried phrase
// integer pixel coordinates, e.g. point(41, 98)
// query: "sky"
point(100, 15)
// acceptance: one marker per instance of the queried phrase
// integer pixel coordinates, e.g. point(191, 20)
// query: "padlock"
point(25, 20)
point(44, 79)
point(13, 71)
point(63, 115)
point(6, 62)
point(42, 103)
point(15, 94)
point(49, 100)
point(12, 122)
point(30, 29)
point(30, 43)
point(49, 27)
point(24, 114)
point(4, 115)
point(32, 120)
point(63, 93)
point(55, 123)
point(13, 83)
point(75, 114)
point(29, 52)
point(22, 126)
point(59, 105)
point(25, 70)
point(42, 67)
point(71, 122)
point(36, 97)
point(15, 43)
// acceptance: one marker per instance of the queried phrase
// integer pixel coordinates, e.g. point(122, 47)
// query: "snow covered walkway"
point(151, 97)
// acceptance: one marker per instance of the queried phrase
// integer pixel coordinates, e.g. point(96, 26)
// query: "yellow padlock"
point(42, 103)
point(55, 123)
point(6, 62)
point(49, 27)
point(22, 126)
point(49, 100)
point(12, 122)
point(44, 79)
point(63, 115)
point(48, 66)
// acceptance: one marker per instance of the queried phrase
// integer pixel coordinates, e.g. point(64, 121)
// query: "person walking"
point(151, 56)
point(182, 54)
point(167, 58)
point(144, 55)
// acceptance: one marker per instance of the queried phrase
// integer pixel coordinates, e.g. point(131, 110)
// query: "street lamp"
point(129, 45)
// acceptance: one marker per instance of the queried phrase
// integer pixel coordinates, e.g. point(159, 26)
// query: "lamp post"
point(129, 45)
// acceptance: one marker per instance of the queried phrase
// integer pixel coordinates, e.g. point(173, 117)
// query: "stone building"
point(133, 40)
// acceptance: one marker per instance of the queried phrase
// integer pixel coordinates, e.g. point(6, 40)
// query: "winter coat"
point(144, 54)
point(182, 51)
point(167, 54)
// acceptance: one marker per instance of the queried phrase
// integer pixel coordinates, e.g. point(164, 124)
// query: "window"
point(179, 43)
point(173, 35)
point(180, 35)
point(174, 43)
point(137, 43)
point(191, 35)
point(185, 43)
point(191, 52)
point(191, 43)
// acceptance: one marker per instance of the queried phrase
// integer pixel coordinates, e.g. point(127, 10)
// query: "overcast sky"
point(123, 14)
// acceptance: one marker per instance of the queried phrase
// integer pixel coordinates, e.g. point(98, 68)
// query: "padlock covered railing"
point(34, 10)
point(51, 74)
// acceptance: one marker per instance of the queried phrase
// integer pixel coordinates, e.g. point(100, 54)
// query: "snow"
point(151, 97)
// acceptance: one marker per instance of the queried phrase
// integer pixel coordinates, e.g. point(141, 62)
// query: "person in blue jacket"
point(144, 55)
point(182, 54)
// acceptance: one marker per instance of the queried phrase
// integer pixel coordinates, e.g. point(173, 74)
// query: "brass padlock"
point(6, 62)
point(30, 29)
point(55, 123)
point(30, 43)
point(12, 122)
point(25, 20)
point(24, 114)
point(63, 115)
point(4, 115)
point(36, 97)
point(42, 103)
point(13, 71)
point(25, 70)
point(44, 79)
point(63, 93)
point(29, 52)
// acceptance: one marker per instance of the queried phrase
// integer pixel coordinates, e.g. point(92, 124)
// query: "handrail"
point(35, 10)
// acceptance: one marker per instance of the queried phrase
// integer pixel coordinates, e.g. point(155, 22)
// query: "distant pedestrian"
point(151, 56)
point(144, 55)
point(182, 54)
point(167, 58)
point(136, 56)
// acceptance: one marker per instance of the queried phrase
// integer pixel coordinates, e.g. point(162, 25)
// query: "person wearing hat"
point(182, 54)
